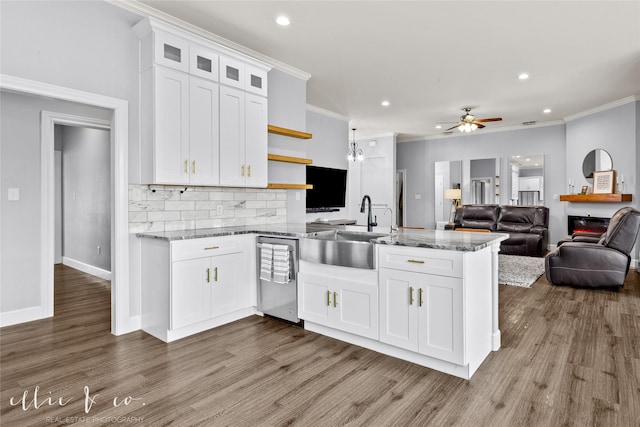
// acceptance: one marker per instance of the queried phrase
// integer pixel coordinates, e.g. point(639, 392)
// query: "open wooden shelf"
point(288, 159)
point(288, 132)
point(291, 186)
point(596, 198)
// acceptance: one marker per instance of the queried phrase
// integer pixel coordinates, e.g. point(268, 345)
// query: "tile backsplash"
point(168, 208)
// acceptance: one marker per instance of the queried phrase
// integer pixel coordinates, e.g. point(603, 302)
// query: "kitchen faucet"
point(370, 222)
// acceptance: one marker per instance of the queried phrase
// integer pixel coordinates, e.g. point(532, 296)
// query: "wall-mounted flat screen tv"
point(329, 188)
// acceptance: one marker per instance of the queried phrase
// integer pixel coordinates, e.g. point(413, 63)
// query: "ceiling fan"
point(468, 122)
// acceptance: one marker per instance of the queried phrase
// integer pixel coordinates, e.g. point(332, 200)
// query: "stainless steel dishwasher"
point(277, 277)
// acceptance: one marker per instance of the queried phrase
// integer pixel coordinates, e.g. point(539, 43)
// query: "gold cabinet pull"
point(186, 166)
point(420, 297)
point(194, 167)
point(410, 295)
point(335, 299)
point(416, 261)
point(215, 274)
point(208, 275)
point(211, 247)
point(249, 171)
point(242, 170)
point(328, 298)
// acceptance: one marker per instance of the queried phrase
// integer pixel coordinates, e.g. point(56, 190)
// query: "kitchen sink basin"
point(340, 247)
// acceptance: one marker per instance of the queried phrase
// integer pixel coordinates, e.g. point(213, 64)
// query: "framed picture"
point(603, 182)
point(585, 189)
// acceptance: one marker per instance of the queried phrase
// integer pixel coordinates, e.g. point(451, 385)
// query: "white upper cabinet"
point(256, 81)
point(171, 51)
point(203, 62)
point(232, 72)
point(203, 110)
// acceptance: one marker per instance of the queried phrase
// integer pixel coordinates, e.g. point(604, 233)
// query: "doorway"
point(401, 189)
point(122, 318)
point(83, 202)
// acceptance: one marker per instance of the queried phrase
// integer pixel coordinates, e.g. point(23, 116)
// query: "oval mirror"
point(596, 160)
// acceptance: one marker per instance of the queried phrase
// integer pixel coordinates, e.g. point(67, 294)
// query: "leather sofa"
point(593, 265)
point(527, 226)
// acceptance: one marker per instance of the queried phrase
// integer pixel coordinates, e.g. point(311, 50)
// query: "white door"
point(224, 283)
point(171, 126)
point(256, 140)
point(190, 292)
point(57, 257)
point(315, 299)
point(355, 307)
point(204, 140)
point(232, 137)
point(440, 318)
point(398, 308)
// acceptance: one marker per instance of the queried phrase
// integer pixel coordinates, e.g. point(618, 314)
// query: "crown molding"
point(148, 11)
point(608, 106)
point(327, 113)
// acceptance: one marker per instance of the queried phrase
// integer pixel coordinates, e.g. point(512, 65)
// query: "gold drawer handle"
point(249, 171)
point(194, 167)
point(211, 247)
point(335, 299)
point(416, 261)
point(410, 295)
point(328, 298)
point(420, 297)
point(208, 275)
point(242, 169)
point(186, 166)
point(215, 274)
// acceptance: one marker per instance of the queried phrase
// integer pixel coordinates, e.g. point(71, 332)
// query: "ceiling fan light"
point(474, 126)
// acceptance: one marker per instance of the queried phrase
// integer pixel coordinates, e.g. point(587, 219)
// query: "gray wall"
point(61, 43)
point(20, 168)
point(419, 158)
point(616, 131)
point(86, 196)
point(328, 148)
point(287, 104)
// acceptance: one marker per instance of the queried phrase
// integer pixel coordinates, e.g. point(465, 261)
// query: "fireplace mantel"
point(596, 198)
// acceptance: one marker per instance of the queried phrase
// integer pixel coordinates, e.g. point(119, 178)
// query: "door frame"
point(121, 320)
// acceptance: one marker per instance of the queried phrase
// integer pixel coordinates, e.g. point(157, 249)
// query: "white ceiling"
point(430, 59)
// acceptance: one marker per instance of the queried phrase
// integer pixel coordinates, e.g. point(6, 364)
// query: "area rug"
point(518, 270)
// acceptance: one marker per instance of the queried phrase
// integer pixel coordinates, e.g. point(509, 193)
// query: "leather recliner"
point(602, 264)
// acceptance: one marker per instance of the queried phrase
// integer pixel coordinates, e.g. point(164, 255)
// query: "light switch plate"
point(14, 194)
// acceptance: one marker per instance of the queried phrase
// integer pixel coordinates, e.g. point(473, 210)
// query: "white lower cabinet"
point(342, 298)
point(189, 286)
point(422, 313)
point(204, 288)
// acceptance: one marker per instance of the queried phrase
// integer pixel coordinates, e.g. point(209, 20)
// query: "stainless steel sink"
point(340, 247)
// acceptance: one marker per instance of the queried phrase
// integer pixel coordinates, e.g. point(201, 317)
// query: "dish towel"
point(281, 264)
point(266, 261)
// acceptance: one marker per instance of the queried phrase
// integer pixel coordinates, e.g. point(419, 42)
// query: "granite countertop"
point(284, 229)
point(433, 239)
point(443, 239)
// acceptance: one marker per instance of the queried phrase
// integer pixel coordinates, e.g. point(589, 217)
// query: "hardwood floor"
point(570, 357)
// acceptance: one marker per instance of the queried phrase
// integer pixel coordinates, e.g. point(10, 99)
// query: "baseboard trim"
point(22, 315)
point(86, 268)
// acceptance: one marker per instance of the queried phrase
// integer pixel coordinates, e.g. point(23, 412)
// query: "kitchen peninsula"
point(431, 297)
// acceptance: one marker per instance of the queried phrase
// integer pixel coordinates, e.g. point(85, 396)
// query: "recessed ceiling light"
point(385, 103)
point(523, 76)
point(528, 160)
point(546, 110)
point(438, 126)
point(283, 20)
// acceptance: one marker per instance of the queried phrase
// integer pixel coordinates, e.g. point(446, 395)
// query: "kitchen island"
point(431, 297)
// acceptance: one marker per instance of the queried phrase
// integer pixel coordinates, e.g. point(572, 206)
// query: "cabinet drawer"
point(205, 247)
point(432, 261)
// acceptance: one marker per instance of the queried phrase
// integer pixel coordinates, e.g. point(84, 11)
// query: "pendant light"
point(355, 152)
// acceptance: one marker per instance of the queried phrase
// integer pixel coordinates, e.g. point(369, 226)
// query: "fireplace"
point(586, 224)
